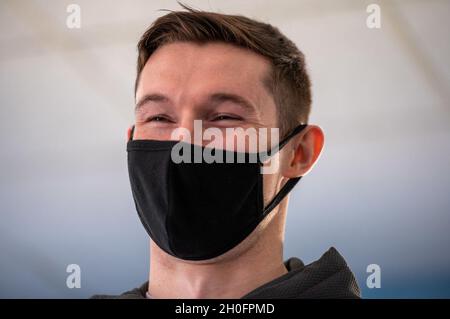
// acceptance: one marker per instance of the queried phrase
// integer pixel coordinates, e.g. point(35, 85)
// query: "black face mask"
point(198, 211)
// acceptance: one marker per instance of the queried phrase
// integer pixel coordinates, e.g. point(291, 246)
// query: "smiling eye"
point(158, 118)
point(225, 117)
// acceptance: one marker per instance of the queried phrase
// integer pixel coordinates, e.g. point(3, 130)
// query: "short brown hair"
point(288, 81)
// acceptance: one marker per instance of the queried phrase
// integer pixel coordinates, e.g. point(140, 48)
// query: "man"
point(217, 229)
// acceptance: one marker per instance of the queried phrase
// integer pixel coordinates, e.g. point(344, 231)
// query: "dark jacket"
point(327, 277)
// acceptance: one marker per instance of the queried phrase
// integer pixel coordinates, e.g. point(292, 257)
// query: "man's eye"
point(224, 117)
point(158, 118)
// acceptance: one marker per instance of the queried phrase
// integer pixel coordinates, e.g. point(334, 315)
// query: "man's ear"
point(303, 151)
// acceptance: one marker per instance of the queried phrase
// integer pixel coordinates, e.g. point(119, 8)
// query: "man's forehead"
point(213, 62)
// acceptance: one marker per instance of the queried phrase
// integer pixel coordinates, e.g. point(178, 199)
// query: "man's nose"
point(188, 125)
point(192, 125)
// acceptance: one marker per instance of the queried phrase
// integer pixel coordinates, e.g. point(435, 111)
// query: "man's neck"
point(231, 278)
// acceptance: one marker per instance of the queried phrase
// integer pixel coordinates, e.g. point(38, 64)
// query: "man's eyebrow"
point(221, 97)
point(154, 97)
point(215, 98)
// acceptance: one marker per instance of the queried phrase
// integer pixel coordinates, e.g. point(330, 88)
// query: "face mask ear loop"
point(292, 181)
point(281, 194)
point(283, 142)
point(131, 133)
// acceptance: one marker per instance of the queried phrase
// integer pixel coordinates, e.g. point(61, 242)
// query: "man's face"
point(220, 84)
